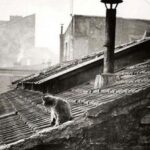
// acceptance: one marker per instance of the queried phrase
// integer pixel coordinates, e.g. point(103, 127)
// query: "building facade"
point(86, 35)
point(17, 35)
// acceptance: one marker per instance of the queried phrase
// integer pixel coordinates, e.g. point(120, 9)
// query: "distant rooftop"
point(60, 69)
point(14, 19)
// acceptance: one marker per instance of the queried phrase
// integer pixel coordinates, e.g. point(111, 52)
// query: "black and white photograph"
point(75, 75)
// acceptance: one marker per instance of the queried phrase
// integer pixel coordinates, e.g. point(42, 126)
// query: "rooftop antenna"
point(71, 8)
point(72, 13)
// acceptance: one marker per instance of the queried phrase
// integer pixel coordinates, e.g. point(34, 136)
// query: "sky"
point(51, 13)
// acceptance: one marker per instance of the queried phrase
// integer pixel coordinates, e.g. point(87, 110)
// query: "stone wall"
point(90, 32)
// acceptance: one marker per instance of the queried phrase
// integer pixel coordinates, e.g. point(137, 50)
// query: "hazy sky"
point(51, 13)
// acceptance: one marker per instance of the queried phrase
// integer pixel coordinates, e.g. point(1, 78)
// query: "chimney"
point(61, 44)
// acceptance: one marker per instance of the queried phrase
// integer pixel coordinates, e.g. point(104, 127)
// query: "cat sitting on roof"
point(59, 108)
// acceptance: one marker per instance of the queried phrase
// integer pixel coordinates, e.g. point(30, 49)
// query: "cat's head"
point(49, 100)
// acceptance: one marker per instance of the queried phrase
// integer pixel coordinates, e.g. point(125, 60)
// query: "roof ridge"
point(8, 114)
point(50, 74)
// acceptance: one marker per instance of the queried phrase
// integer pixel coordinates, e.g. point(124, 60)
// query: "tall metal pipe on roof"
point(111, 6)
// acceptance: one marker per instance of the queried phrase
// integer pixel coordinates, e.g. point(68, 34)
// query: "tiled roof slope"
point(19, 118)
point(22, 114)
point(132, 80)
point(60, 69)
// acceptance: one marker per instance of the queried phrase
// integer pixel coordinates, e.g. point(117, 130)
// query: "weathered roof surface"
point(133, 79)
point(51, 72)
point(22, 114)
point(60, 69)
point(19, 118)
